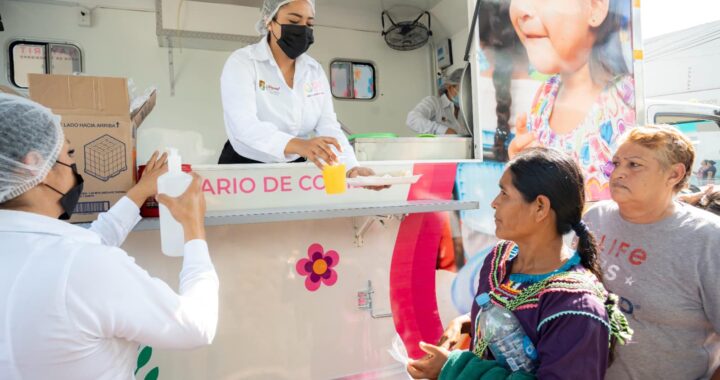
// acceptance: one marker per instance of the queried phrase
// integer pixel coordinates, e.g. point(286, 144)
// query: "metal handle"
point(365, 302)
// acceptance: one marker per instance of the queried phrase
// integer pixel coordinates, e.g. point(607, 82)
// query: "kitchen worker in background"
point(72, 304)
point(275, 97)
point(438, 115)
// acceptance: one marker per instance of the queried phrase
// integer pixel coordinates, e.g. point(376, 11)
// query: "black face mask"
point(295, 39)
point(69, 200)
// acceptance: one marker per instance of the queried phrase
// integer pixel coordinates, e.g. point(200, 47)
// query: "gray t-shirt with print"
point(668, 277)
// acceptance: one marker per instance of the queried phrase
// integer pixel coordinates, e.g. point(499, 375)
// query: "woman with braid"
point(554, 291)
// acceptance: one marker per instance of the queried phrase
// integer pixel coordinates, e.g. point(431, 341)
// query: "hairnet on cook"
point(30, 141)
point(454, 78)
point(270, 9)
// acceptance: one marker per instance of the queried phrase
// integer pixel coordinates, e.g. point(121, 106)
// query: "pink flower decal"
point(318, 267)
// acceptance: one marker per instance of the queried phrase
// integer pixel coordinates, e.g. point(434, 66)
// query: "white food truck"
point(267, 221)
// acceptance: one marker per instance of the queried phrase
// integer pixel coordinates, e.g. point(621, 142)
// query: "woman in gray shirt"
point(661, 257)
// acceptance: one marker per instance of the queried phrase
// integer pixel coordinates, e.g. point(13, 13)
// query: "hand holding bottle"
point(188, 209)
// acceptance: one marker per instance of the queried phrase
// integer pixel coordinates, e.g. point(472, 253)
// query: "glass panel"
point(364, 85)
point(341, 79)
point(27, 59)
point(64, 59)
point(705, 135)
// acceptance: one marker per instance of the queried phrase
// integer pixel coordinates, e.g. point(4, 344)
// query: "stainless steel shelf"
point(322, 212)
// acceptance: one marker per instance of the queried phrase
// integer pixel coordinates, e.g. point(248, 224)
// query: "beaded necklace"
point(561, 280)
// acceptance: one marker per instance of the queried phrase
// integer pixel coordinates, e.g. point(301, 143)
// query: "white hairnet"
point(454, 78)
point(269, 10)
point(30, 141)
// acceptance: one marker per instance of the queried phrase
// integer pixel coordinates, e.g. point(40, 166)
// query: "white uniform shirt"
point(434, 115)
point(74, 306)
point(262, 114)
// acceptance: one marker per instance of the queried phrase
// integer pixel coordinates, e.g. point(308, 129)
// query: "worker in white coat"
point(72, 304)
point(438, 115)
point(276, 99)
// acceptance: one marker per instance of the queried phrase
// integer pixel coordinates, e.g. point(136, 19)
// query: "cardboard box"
point(96, 119)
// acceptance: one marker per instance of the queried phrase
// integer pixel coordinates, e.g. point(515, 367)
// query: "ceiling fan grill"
point(406, 35)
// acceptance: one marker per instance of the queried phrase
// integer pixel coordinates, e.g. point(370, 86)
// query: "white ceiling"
point(380, 5)
point(448, 16)
point(444, 17)
point(245, 3)
point(364, 5)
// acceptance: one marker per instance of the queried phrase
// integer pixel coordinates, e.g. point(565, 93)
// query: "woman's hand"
point(317, 150)
point(147, 185)
point(365, 172)
point(429, 366)
point(694, 198)
point(188, 209)
point(453, 335)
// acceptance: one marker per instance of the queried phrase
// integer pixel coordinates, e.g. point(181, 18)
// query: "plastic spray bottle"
point(173, 183)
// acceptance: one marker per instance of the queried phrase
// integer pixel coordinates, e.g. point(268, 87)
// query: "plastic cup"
point(334, 177)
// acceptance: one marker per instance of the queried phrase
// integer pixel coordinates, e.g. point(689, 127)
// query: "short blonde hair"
point(669, 144)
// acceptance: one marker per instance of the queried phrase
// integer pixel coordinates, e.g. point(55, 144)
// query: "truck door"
point(701, 123)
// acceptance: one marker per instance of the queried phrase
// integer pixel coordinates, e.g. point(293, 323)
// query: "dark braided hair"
point(549, 172)
point(495, 31)
point(503, 99)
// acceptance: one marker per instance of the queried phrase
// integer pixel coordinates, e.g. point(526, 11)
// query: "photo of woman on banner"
point(588, 100)
point(507, 84)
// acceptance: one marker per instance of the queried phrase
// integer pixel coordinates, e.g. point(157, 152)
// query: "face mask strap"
point(64, 164)
point(271, 31)
point(53, 189)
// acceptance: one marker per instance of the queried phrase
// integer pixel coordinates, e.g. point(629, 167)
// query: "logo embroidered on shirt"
point(313, 88)
point(273, 89)
point(264, 86)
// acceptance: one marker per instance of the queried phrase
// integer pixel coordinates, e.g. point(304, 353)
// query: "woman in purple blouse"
point(555, 292)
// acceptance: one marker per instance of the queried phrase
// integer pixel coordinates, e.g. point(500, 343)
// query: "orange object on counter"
point(334, 178)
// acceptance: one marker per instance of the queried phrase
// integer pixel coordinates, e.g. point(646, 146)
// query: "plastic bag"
point(137, 99)
point(399, 353)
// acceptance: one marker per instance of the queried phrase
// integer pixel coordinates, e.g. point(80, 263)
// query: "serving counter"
point(285, 311)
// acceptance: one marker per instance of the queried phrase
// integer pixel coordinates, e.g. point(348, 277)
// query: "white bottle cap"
point(174, 161)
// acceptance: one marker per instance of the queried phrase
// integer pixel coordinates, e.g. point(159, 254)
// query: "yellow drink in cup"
point(334, 178)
